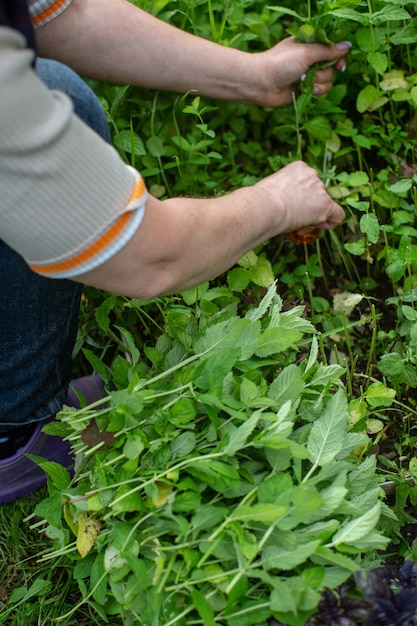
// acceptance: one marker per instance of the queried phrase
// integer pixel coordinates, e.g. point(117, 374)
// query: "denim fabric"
point(39, 316)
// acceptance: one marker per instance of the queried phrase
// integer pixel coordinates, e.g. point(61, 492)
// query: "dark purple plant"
point(408, 576)
point(392, 607)
point(340, 610)
point(388, 600)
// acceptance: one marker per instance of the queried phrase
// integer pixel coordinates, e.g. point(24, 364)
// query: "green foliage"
point(236, 481)
point(228, 489)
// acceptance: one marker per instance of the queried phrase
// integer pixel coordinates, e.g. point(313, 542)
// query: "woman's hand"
point(287, 62)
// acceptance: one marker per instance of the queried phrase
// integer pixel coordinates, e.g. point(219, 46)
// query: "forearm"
point(113, 40)
point(183, 242)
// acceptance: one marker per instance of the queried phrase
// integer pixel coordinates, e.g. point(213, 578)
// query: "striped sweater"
point(68, 202)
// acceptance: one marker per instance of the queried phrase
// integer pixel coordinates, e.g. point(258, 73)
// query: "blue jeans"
point(39, 316)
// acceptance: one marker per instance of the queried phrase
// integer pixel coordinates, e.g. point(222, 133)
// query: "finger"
point(322, 88)
point(339, 50)
point(324, 76)
point(315, 52)
point(341, 64)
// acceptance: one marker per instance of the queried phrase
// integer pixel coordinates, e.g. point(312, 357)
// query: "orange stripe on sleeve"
point(87, 254)
point(50, 11)
point(100, 244)
point(138, 191)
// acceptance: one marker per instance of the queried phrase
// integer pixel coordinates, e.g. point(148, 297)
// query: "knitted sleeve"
point(43, 11)
point(68, 201)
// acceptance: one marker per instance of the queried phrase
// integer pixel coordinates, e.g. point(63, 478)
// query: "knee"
point(58, 76)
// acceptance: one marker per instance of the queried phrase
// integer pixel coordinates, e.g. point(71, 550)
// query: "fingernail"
point(343, 68)
point(316, 91)
point(303, 77)
point(343, 45)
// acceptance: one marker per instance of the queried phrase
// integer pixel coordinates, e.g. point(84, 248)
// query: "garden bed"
point(253, 420)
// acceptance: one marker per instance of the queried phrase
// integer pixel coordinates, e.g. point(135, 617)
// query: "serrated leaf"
point(332, 497)
point(204, 609)
point(212, 372)
point(264, 513)
point(101, 313)
point(294, 319)
point(130, 344)
point(401, 186)
point(326, 374)
point(51, 509)
point(261, 274)
point(369, 99)
point(325, 555)
point(358, 527)
point(284, 598)
point(248, 339)
point(327, 434)
point(96, 363)
point(183, 411)
point(238, 279)
point(279, 558)
point(378, 61)
point(354, 442)
point(220, 476)
point(373, 541)
point(220, 337)
point(357, 179)
point(129, 142)
point(285, 11)
point(312, 357)
point(391, 364)
point(133, 447)
point(208, 516)
point(351, 14)
point(40, 587)
point(58, 475)
point(248, 260)
point(239, 437)
point(288, 385)
point(378, 394)
point(270, 298)
point(160, 492)
point(276, 340)
point(357, 247)
point(183, 445)
point(370, 226)
point(389, 13)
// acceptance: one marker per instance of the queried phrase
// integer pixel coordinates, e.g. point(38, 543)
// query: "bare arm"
point(183, 241)
point(115, 41)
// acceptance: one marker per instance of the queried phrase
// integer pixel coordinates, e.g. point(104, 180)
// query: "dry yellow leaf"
point(88, 530)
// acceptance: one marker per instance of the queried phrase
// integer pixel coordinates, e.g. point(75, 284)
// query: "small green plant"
point(231, 482)
point(222, 485)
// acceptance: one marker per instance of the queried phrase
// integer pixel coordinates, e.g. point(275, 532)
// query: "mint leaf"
point(327, 435)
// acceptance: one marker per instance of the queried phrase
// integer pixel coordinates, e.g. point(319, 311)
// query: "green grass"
point(20, 550)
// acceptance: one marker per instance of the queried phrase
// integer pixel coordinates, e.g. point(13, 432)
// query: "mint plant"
point(221, 485)
point(231, 478)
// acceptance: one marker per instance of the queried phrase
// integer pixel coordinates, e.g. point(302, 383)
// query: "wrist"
point(254, 83)
point(264, 207)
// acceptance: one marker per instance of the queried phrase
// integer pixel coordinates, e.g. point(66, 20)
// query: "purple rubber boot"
point(19, 476)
